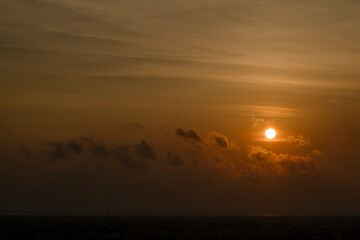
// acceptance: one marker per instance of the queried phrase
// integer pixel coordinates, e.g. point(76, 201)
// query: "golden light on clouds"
point(270, 133)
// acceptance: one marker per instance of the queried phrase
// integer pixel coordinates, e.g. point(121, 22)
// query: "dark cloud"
point(124, 155)
point(188, 134)
point(56, 151)
point(75, 146)
point(216, 139)
point(87, 139)
point(298, 164)
point(25, 151)
point(144, 150)
point(221, 142)
point(99, 149)
point(89, 148)
point(174, 160)
point(250, 175)
point(218, 159)
point(61, 150)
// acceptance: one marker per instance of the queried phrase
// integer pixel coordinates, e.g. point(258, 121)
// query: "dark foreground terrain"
point(183, 227)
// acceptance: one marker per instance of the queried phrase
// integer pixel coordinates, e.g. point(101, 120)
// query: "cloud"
point(208, 141)
point(25, 151)
point(276, 164)
point(75, 146)
point(124, 155)
point(218, 159)
point(56, 151)
point(144, 150)
point(62, 150)
point(297, 164)
point(174, 160)
point(221, 142)
point(219, 139)
point(98, 149)
point(214, 152)
point(317, 152)
point(87, 148)
point(256, 122)
point(188, 134)
point(250, 175)
point(258, 153)
point(299, 141)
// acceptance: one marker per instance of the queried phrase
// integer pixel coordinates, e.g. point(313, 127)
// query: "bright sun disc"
point(270, 133)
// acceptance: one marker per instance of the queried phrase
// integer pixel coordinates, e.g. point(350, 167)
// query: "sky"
point(160, 106)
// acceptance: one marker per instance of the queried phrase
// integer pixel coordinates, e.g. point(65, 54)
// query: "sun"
point(270, 133)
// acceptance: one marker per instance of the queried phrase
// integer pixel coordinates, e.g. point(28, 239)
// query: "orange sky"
point(168, 101)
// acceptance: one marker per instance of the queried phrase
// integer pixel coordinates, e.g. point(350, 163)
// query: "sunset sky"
point(160, 106)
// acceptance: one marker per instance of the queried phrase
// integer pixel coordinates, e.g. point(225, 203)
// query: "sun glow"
point(270, 133)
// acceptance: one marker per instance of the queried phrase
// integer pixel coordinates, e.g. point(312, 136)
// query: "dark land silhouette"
point(178, 227)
